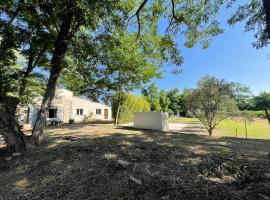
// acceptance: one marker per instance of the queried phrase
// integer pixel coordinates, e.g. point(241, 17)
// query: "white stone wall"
point(78, 103)
point(63, 102)
point(89, 109)
point(151, 120)
point(95, 106)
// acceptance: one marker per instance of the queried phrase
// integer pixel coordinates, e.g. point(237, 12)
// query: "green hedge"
point(130, 104)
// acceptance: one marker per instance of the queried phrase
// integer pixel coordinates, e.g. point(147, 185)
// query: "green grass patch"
point(184, 120)
point(259, 129)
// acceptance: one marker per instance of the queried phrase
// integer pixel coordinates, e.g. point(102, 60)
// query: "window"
point(79, 111)
point(53, 113)
point(98, 111)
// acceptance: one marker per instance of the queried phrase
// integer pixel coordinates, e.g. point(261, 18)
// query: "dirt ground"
point(98, 161)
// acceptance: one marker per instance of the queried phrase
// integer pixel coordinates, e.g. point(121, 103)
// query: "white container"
point(151, 120)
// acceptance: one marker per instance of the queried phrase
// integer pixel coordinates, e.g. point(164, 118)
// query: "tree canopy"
point(256, 14)
point(211, 102)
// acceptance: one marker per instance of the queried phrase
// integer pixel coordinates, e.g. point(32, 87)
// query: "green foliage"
point(164, 101)
point(192, 19)
point(211, 102)
point(10, 82)
point(242, 95)
point(184, 103)
point(262, 101)
point(127, 58)
point(259, 114)
point(129, 104)
point(152, 95)
point(174, 98)
point(254, 14)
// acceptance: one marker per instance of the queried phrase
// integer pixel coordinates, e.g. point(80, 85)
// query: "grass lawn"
point(259, 129)
point(184, 120)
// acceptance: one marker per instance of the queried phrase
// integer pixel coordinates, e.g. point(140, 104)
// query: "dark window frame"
point(98, 111)
point(79, 111)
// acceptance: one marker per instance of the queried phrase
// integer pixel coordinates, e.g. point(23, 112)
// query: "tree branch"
point(266, 5)
point(48, 11)
point(137, 14)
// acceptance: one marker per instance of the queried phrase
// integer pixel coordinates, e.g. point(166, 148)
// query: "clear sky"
point(230, 56)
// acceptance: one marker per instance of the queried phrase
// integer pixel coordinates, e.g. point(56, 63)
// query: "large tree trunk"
point(9, 129)
point(56, 67)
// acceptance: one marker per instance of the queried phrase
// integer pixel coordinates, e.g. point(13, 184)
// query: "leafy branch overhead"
point(192, 19)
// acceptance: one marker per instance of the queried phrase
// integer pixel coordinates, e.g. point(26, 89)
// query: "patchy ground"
point(93, 161)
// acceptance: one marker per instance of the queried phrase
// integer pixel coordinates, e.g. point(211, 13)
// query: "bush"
point(71, 121)
point(259, 113)
point(130, 104)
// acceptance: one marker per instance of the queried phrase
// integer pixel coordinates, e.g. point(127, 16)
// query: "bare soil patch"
point(98, 161)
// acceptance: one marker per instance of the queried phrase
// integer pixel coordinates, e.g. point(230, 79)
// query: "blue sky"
point(230, 56)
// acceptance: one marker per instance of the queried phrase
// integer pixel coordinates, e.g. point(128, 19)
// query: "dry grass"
point(162, 165)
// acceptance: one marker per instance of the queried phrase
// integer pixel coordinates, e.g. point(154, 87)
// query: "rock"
point(138, 181)
point(16, 154)
point(8, 158)
point(123, 163)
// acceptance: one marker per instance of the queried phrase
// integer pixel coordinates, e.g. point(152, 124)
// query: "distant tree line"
point(172, 101)
point(212, 97)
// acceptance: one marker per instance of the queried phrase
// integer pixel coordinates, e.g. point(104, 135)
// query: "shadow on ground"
point(160, 165)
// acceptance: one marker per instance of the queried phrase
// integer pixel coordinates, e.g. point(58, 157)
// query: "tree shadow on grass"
point(168, 165)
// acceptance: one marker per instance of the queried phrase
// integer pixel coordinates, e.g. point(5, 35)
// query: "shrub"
point(71, 121)
point(130, 104)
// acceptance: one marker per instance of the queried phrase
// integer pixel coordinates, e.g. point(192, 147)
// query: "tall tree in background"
point(164, 101)
point(211, 102)
point(174, 97)
point(184, 102)
point(242, 95)
point(262, 102)
point(152, 95)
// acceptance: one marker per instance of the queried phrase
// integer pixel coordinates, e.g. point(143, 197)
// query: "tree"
point(183, 103)
point(211, 102)
point(174, 97)
point(19, 40)
point(262, 102)
point(152, 95)
point(242, 95)
point(164, 101)
point(256, 13)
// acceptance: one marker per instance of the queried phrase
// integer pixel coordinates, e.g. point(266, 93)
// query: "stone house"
point(65, 106)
